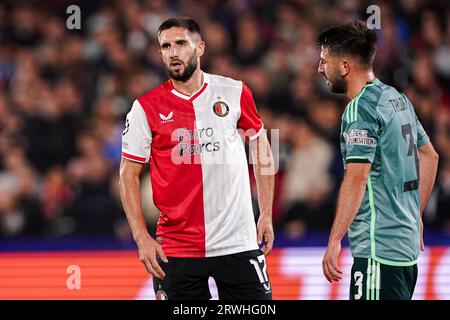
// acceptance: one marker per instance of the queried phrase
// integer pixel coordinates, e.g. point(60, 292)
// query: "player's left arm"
point(264, 170)
point(428, 164)
point(351, 194)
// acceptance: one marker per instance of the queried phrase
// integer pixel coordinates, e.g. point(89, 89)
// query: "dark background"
point(64, 95)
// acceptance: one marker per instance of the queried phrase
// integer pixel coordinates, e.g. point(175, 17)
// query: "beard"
point(189, 69)
point(338, 85)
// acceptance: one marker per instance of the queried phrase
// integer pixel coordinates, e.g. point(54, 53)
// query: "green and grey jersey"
point(379, 126)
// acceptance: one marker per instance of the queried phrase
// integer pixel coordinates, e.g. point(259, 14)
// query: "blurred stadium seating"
point(64, 95)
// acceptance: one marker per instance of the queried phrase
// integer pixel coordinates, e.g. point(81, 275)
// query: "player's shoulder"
point(369, 100)
point(222, 81)
point(372, 93)
point(157, 93)
point(364, 107)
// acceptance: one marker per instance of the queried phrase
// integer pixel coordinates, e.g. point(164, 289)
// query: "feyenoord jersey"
point(198, 165)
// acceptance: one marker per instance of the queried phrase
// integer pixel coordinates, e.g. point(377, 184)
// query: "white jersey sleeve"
point(136, 136)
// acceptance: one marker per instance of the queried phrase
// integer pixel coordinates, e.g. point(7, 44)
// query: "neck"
point(357, 82)
point(192, 85)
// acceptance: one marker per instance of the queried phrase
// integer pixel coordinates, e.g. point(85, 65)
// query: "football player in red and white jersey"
point(190, 129)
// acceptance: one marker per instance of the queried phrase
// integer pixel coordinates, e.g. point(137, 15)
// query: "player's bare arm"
point(428, 164)
point(264, 171)
point(351, 195)
point(130, 194)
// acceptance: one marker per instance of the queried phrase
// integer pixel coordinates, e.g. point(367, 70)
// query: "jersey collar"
point(374, 81)
point(195, 94)
point(368, 84)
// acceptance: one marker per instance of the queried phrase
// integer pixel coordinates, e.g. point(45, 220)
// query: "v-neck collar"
point(195, 94)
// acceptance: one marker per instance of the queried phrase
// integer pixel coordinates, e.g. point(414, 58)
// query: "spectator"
point(307, 184)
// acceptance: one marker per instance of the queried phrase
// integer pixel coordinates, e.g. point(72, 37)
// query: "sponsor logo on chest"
point(166, 119)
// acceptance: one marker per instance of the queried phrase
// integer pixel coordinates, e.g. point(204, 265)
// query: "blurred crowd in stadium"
point(64, 95)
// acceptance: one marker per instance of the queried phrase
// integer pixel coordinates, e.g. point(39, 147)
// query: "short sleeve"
point(136, 136)
point(249, 120)
point(422, 137)
point(360, 132)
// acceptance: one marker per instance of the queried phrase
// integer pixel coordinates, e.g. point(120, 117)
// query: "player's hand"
point(149, 249)
point(330, 267)
point(265, 234)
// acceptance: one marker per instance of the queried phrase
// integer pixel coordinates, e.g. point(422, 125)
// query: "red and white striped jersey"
point(198, 165)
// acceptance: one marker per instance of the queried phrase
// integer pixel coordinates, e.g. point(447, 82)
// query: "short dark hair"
point(353, 39)
point(181, 22)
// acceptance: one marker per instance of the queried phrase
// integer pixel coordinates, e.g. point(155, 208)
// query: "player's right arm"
point(351, 194)
point(130, 195)
point(136, 142)
point(359, 120)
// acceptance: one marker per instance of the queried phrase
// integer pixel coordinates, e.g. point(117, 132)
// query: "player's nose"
point(320, 69)
point(173, 52)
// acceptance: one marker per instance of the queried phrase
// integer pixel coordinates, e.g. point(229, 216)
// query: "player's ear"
point(344, 68)
point(201, 48)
